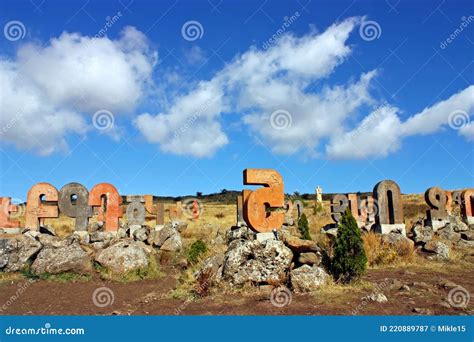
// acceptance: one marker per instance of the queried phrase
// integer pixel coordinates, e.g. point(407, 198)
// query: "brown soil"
point(153, 297)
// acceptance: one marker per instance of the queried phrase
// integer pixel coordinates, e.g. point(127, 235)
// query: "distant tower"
point(319, 195)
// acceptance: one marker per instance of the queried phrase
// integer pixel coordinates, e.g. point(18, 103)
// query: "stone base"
point(11, 230)
point(436, 224)
point(265, 236)
point(388, 228)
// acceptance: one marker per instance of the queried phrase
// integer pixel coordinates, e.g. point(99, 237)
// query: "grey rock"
point(100, 236)
point(17, 253)
point(240, 233)
point(82, 236)
point(378, 297)
point(456, 223)
point(212, 268)
point(307, 278)
point(422, 234)
point(172, 244)
point(71, 258)
point(51, 241)
point(397, 238)
point(447, 233)
point(180, 226)
point(310, 258)
point(257, 262)
point(440, 249)
point(465, 243)
point(123, 256)
point(141, 234)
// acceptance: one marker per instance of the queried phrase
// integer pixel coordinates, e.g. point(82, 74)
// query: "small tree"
point(349, 261)
point(303, 227)
point(197, 249)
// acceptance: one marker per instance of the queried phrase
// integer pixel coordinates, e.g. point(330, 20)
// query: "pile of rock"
point(266, 259)
point(129, 248)
point(438, 242)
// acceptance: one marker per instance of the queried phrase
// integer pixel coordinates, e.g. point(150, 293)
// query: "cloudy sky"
point(182, 96)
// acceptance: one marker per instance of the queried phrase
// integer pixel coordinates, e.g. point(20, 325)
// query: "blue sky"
point(346, 94)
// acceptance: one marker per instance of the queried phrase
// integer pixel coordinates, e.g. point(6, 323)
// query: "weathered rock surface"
point(18, 253)
point(172, 244)
point(54, 260)
point(422, 234)
point(299, 245)
point(257, 262)
point(307, 278)
point(310, 258)
point(396, 238)
point(212, 268)
point(240, 233)
point(440, 249)
point(124, 256)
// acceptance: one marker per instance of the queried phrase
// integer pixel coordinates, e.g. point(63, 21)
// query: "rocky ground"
point(409, 291)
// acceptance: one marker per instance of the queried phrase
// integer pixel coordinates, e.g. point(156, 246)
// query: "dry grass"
point(380, 253)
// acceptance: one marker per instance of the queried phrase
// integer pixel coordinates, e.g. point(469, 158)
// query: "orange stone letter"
point(256, 202)
point(112, 211)
point(5, 209)
point(35, 206)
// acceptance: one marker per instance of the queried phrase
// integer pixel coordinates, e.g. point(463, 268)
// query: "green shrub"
point(349, 261)
point(197, 249)
point(303, 227)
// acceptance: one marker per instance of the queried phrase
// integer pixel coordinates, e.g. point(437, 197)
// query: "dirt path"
point(427, 291)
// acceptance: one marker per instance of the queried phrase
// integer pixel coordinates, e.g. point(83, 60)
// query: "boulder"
point(330, 229)
point(299, 245)
point(54, 260)
point(465, 243)
point(448, 233)
point(140, 234)
point(310, 258)
point(82, 236)
point(456, 224)
point(307, 278)
point(422, 234)
point(180, 226)
point(51, 241)
point(440, 249)
point(397, 239)
point(257, 262)
point(211, 268)
point(17, 253)
point(240, 233)
point(123, 256)
point(172, 244)
point(100, 236)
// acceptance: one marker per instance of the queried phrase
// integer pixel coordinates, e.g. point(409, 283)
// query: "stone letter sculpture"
point(73, 202)
point(256, 202)
point(240, 211)
point(36, 209)
point(135, 210)
point(5, 209)
point(390, 214)
point(437, 214)
point(339, 204)
point(110, 212)
point(157, 210)
point(467, 205)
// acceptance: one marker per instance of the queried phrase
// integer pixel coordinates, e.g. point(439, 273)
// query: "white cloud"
point(47, 90)
point(382, 131)
point(256, 84)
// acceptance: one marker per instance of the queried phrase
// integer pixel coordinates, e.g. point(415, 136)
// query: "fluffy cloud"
point(258, 83)
point(47, 91)
point(381, 132)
